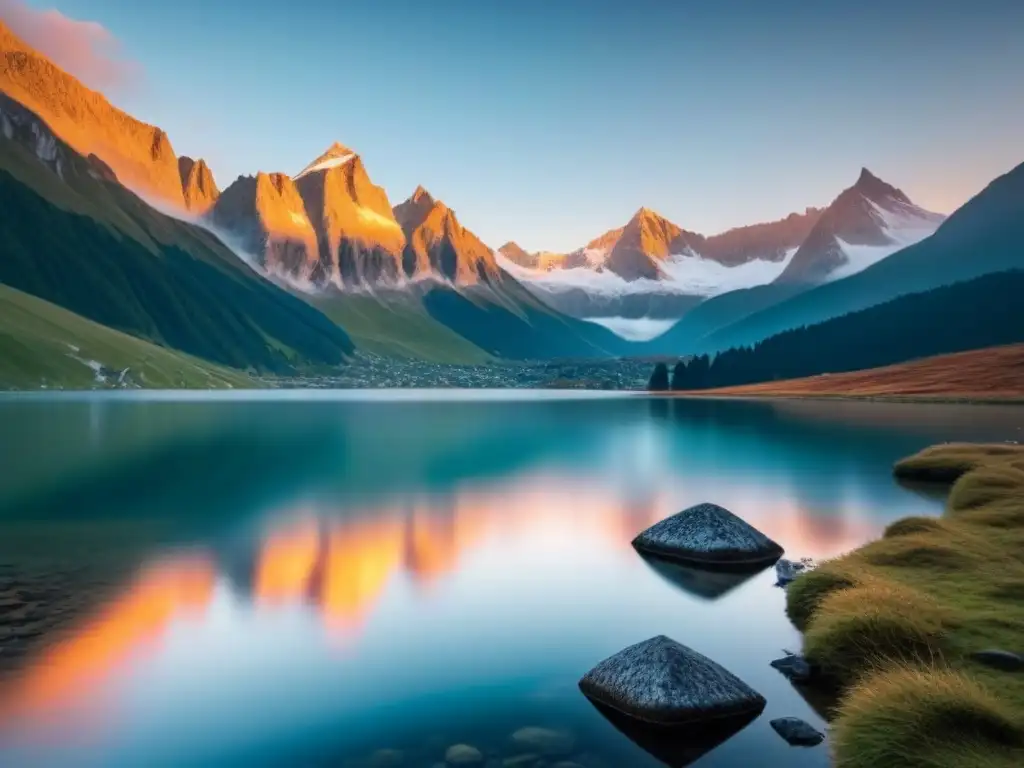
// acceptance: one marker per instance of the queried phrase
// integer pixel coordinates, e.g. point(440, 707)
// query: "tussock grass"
point(947, 462)
point(919, 717)
point(917, 551)
point(894, 623)
point(862, 628)
point(909, 525)
point(806, 593)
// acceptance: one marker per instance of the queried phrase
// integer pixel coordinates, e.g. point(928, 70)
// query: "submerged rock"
point(795, 667)
point(1006, 661)
point(463, 754)
point(544, 741)
point(797, 732)
point(708, 535)
point(662, 681)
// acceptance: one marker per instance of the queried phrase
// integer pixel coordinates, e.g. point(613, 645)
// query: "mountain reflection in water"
point(338, 564)
point(264, 582)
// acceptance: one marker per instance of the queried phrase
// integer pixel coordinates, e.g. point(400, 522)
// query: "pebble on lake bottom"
point(463, 754)
point(544, 741)
point(797, 732)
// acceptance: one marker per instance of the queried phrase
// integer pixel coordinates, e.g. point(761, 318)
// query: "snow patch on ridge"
point(634, 328)
point(903, 227)
point(686, 274)
point(323, 165)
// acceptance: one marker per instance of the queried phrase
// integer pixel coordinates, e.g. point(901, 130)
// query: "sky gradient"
point(551, 122)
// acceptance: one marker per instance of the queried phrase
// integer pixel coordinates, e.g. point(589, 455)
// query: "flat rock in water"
point(662, 681)
point(710, 536)
point(795, 667)
point(1007, 661)
point(797, 732)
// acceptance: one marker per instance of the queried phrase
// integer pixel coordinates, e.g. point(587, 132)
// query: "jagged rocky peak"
point(647, 241)
point(197, 184)
point(517, 255)
point(437, 245)
point(337, 154)
point(867, 222)
point(874, 188)
point(413, 212)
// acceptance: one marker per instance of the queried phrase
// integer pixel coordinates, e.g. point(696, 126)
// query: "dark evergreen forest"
point(983, 312)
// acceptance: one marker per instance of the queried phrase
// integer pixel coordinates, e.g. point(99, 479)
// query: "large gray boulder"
point(708, 536)
point(662, 681)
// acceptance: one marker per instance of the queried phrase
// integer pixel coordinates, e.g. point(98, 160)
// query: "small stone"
point(1005, 661)
point(544, 741)
point(463, 754)
point(797, 732)
point(710, 536)
point(794, 667)
point(520, 761)
point(787, 570)
point(387, 758)
point(662, 681)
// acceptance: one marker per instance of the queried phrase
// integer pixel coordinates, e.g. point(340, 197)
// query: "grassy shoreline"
point(895, 624)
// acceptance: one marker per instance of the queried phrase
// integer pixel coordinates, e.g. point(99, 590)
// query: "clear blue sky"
point(551, 121)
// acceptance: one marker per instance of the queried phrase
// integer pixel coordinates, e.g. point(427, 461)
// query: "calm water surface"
point(295, 579)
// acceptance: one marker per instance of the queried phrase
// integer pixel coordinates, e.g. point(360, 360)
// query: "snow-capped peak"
point(337, 154)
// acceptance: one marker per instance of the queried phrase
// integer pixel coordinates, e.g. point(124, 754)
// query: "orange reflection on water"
point(286, 561)
point(70, 671)
point(360, 557)
point(342, 566)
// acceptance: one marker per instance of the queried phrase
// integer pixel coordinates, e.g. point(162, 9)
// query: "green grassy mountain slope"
point(42, 344)
point(985, 235)
point(396, 324)
point(72, 235)
point(506, 320)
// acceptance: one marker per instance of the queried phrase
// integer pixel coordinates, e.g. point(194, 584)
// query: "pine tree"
point(679, 376)
point(659, 379)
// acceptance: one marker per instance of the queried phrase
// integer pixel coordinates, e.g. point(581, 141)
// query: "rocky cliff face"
point(359, 240)
point(437, 245)
point(645, 243)
point(769, 241)
point(267, 215)
point(140, 154)
point(197, 184)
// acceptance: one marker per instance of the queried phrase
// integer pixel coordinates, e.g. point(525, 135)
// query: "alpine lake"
point(369, 579)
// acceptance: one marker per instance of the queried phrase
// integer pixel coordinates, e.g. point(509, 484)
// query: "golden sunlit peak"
point(336, 154)
point(421, 194)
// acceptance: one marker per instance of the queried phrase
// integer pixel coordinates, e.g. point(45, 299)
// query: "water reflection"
point(680, 745)
point(361, 576)
point(699, 582)
point(337, 562)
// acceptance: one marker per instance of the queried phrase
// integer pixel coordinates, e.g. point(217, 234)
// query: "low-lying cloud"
point(86, 49)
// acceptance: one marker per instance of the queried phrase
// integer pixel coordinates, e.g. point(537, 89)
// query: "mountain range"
point(279, 272)
point(651, 267)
